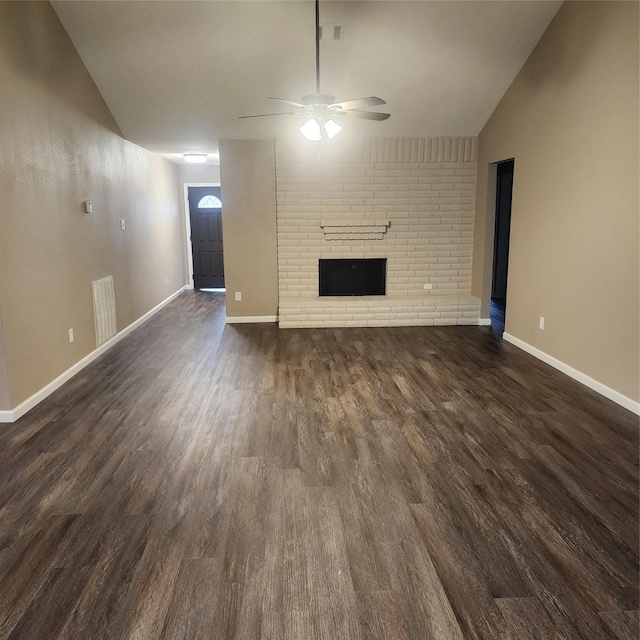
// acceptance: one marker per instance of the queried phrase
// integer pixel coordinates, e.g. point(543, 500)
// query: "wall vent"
point(104, 310)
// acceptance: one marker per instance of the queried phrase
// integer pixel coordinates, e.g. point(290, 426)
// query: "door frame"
point(490, 238)
point(187, 217)
point(496, 220)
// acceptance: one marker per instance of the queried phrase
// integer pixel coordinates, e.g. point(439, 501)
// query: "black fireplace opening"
point(353, 277)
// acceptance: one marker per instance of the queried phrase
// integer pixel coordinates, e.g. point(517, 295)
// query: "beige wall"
point(202, 173)
point(570, 120)
point(5, 395)
point(247, 177)
point(60, 146)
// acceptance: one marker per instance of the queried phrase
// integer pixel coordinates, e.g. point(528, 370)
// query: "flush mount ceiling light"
point(195, 158)
point(321, 108)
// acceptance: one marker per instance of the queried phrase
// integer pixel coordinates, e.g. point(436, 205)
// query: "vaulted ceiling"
point(177, 74)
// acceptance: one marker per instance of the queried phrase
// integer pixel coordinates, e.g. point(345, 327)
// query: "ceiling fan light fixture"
point(311, 130)
point(332, 129)
point(320, 108)
point(195, 158)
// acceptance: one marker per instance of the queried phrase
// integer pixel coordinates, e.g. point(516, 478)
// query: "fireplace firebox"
point(353, 277)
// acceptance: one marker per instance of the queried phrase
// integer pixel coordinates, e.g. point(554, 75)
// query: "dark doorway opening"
point(205, 214)
point(504, 192)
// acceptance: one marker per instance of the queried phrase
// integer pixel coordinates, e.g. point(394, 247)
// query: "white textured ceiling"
point(177, 74)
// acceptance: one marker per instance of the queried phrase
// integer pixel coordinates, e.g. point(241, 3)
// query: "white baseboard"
point(484, 322)
point(600, 388)
point(39, 396)
point(250, 319)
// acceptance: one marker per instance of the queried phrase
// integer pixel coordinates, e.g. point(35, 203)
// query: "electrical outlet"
point(71, 338)
point(541, 323)
point(238, 296)
point(428, 286)
point(167, 281)
point(123, 224)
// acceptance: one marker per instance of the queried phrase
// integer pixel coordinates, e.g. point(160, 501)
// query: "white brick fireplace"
point(410, 200)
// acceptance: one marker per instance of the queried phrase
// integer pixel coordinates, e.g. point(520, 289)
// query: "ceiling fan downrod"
point(321, 109)
point(317, 47)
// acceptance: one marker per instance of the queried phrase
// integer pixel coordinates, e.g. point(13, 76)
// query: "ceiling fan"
point(322, 108)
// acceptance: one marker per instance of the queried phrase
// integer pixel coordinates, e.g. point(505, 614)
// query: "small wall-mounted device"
point(330, 32)
point(87, 206)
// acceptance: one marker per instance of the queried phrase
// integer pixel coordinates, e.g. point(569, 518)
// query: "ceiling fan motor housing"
point(318, 100)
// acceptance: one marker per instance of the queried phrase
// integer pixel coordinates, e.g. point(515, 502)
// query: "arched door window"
point(210, 202)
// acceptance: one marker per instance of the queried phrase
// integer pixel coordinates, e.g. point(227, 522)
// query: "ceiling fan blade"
point(365, 115)
point(295, 104)
point(372, 101)
point(320, 106)
point(264, 115)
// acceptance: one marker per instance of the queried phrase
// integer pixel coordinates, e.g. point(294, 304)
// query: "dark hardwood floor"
point(203, 481)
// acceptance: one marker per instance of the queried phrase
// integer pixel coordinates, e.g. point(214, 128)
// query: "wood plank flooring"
point(203, 481)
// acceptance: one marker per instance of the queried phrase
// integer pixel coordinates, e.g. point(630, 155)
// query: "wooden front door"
point(205, 211)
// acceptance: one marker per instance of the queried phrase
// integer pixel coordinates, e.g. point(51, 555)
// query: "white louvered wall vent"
point(104, 309)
